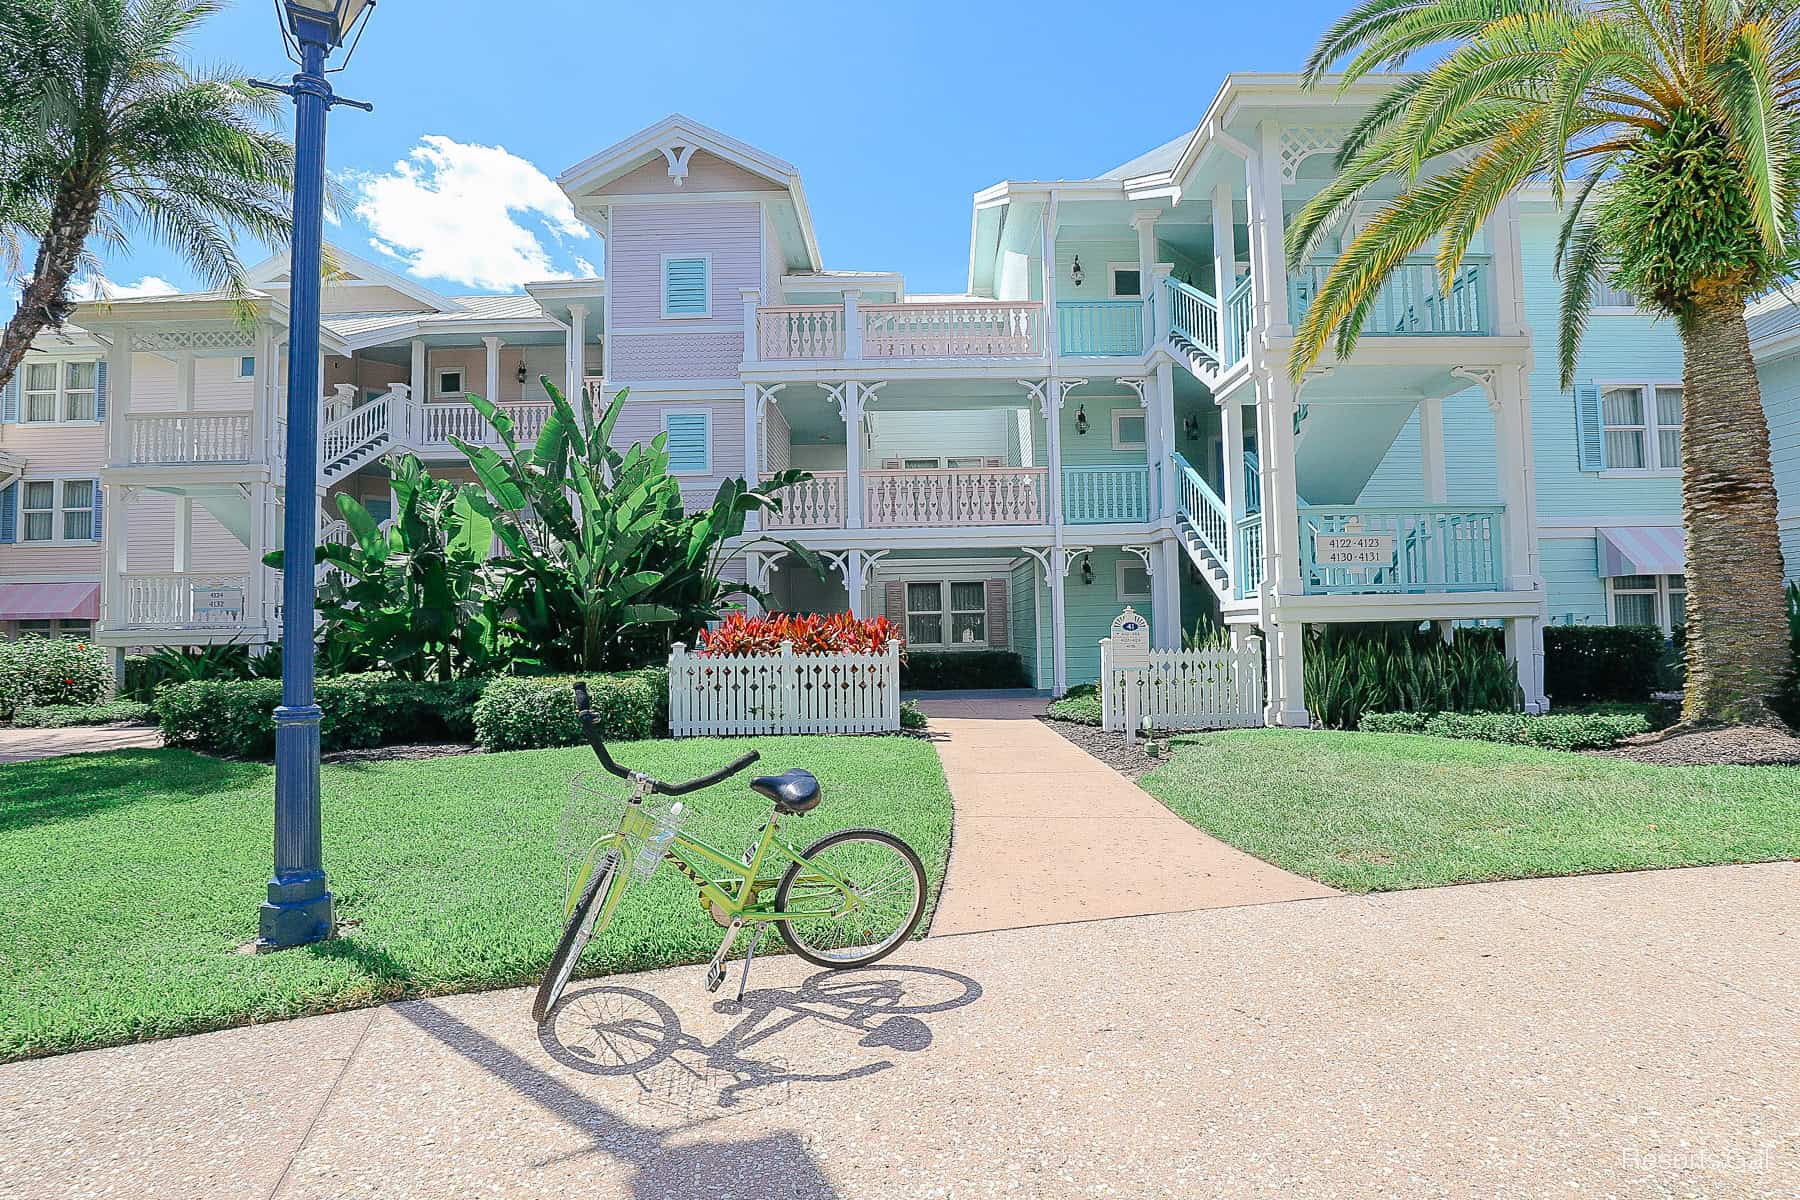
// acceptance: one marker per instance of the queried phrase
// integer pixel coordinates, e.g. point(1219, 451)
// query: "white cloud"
point(467, 213)
point(99, 287)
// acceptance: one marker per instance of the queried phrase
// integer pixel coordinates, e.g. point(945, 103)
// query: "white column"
point(1431, 451)
point(116, 535)
point(1165, 593)
point(254, 589)
point(853, 447)
point(1047, 252)
point(853, 324)
point(752, 448)
point(118, 398)
point(1149, 281)
point(1059, 633)
point(1162, 399)
point(493, 369)
point(577, 364)
point(1525, 647)
point(1224, 222)
point(1292, 669)
point(1508, 317)
point(184, 533)
point(1051, 406)
point(260, 412)
point(752, 298)
point(1268, 260)
point(852, 567)
point(1507, 400)
point(1231, 428)
point(1280, 494)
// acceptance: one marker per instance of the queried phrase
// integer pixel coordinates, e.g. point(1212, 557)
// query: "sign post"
point(1129, 645)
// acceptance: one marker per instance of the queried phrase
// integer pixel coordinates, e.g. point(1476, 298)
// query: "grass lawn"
point(1373, 812)
point(130, 879)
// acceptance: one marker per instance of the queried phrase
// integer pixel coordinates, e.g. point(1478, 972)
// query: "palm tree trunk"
point(1738, 658)
point(44, 300)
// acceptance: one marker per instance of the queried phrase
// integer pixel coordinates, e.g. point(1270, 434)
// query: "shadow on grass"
point(58, 789)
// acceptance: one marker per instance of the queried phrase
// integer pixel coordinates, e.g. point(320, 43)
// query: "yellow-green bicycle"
point(845, 901)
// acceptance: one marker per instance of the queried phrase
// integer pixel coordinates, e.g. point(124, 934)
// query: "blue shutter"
point(9, 397)
point(1590, 433)
point(690, 442)
point(9, 513)
point(99, 508)
point(684, 287)
point(100, 391)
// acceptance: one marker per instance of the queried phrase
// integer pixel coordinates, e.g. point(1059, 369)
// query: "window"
point(921, 464)
point(1659, 600)
point(247, 367)
point(60, 391)
point(925, 614)
point(1642, 427)
point(1133, 581)
point(690, 442)
point(687, 290)
point(963, 623)
point(968, 614)
point(1126, 279)
point(78, 510)
point(66, 627)
point(80, 391)
point(1128, 429)
point(1606, 296)
point(40, 392)
point(449, 383)
point(37, 507)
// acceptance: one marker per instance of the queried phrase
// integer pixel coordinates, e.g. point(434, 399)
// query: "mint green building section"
point(1090, 609)
point(1022, 596)
point(1100, 400)
point(1780, 380)
point(1575, 591)
point(1471, 472)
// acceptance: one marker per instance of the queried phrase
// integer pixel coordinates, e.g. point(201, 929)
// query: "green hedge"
point(61, 716)
point(236, 717)
point(35, 671)
point(1583, 663)
point(1556, 731)
point(949, 670)
point(1080, 704)
point(524, 713)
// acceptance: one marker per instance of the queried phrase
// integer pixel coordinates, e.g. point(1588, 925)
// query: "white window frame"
point(79, 628)
point(59, 405)
point(692, 412)
point(1651, 429)
point(57, 510)
point(1126, 563)
point(1663, 590)
point(946, 613)
point(705, 313)
point(243, 360)
point(1112, 280)
point(1614, 310)
point(1120, 415)
point(437, 379)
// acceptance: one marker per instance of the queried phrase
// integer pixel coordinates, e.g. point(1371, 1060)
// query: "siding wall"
point(1022, 594)
point(1090, 609)
point(1470, 470)
point(1577, 595)
point(1781, 401)
point(642, 421)
point(730, 232)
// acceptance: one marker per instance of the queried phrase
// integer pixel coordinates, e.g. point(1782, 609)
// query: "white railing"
point(955, 329)
point(800, 331)
point(190, 437)
point(783, 693)
point(1194, 315)
point(1202, 509)
point(352, 434)
point(181, 600)
point(955, 497)
point(816, 503)
point(1238, 315)
point(460, 419)
point(1216, 688)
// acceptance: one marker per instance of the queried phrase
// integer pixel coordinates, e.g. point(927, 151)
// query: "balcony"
point(1411, 303)
point(187, 438)
point(1101, 328)
point(1423, 548)
point(1106, 495)
point(439, 422)
point(947, 329)
point(180, 601)
point(932, 499)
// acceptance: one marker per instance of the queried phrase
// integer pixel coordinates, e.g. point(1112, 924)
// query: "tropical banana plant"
point(603, 566)
point(1668, 131)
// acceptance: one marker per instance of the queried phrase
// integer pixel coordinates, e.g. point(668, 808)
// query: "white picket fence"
point(783, 693)
point(1186, 689)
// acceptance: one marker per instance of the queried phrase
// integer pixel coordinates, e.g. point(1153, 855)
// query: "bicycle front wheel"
point(885, 900)
point(575, 936)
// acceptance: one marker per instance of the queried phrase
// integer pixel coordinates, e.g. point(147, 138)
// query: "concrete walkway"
point(1622, 1036)
point(25, 745)
point(1047, 833)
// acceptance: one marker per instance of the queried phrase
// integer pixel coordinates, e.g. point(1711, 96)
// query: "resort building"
point(1104, 417)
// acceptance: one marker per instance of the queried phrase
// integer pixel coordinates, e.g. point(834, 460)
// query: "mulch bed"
point(409, 750)
point(1109, 748)
point(1743, 745)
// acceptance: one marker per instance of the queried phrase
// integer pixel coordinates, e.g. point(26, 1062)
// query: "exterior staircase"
point(1204, 527)
point(353, 436)
point(1209, 337)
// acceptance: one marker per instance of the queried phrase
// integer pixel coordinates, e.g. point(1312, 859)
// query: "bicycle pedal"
point(715, 978)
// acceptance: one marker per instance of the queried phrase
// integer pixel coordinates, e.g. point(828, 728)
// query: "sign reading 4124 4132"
point(1130, 639)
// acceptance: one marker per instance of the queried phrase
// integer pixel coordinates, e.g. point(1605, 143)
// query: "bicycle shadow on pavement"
point(612, 1030)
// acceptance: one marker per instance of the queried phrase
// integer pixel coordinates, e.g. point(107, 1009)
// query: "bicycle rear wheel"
point(888, 884)
point(574, 938)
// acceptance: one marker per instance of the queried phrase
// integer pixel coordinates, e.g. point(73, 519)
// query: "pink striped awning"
point(1643, 550)
point(37, 601)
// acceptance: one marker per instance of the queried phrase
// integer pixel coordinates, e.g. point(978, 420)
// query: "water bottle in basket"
point(657, 844)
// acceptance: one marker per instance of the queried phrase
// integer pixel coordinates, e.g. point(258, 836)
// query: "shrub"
point(1357, 669)
point(1601, 662)
point(839, 633)
point(1080, 704)
point(526, 713)
point(1556, 731)
point(36, 671)
point(60, 716)
point(911, 715)
point(236, 718)
point(954, 669)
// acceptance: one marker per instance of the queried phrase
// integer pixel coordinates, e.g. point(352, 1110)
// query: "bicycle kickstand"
point(750, 953)
point(715, 970)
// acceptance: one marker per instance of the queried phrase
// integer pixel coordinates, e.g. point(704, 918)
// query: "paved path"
point(24, 745)
point(1622, 1036)
point(1046, 833)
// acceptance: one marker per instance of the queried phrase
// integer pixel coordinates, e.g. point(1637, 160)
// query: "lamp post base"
point(296, 913)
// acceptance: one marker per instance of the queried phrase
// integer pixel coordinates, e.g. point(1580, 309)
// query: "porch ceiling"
point(1382, 383)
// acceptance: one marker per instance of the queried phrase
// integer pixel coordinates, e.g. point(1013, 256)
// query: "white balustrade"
point(817, 503)
point(181, 600)
point(361, 429)
point(441, 422)
point(955, 497)
point(954, 329)
point(800, 331)
point(156, 439)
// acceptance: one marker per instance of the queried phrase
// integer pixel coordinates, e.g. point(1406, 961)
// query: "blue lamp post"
point(298, 908)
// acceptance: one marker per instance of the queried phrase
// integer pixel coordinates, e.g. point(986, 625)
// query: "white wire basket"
point(595, 809)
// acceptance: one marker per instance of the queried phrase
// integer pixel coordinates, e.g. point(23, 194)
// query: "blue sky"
point(894, 114)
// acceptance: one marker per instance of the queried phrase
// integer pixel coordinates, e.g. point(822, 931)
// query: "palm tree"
point(103, 131)
point(1667, 131)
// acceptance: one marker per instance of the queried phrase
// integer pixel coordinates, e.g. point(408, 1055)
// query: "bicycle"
point(848, 900)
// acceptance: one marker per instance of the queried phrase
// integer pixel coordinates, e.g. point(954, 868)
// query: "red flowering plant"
point(838, 633)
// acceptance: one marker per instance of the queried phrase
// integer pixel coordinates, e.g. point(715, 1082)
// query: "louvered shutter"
point(99, 399)
point(1590, 432)
point(684, 287)
point(99, 508)
point(690, 442)
point(9, 398)
point(9, 514)
point(998, 635)
point(894, 604)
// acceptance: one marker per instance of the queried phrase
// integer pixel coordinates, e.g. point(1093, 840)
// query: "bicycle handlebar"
point(590, 726)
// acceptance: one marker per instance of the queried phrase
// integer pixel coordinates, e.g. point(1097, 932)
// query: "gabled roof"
point(1152, 162)
point(349, 268)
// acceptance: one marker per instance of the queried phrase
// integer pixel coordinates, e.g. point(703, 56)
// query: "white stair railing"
point(1202, 509)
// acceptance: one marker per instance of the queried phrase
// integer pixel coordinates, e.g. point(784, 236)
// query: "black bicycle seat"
point(793, 791)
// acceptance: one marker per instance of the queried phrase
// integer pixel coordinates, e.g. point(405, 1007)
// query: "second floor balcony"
point(968, 498)
point(950, 329)
point(1413, 302)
